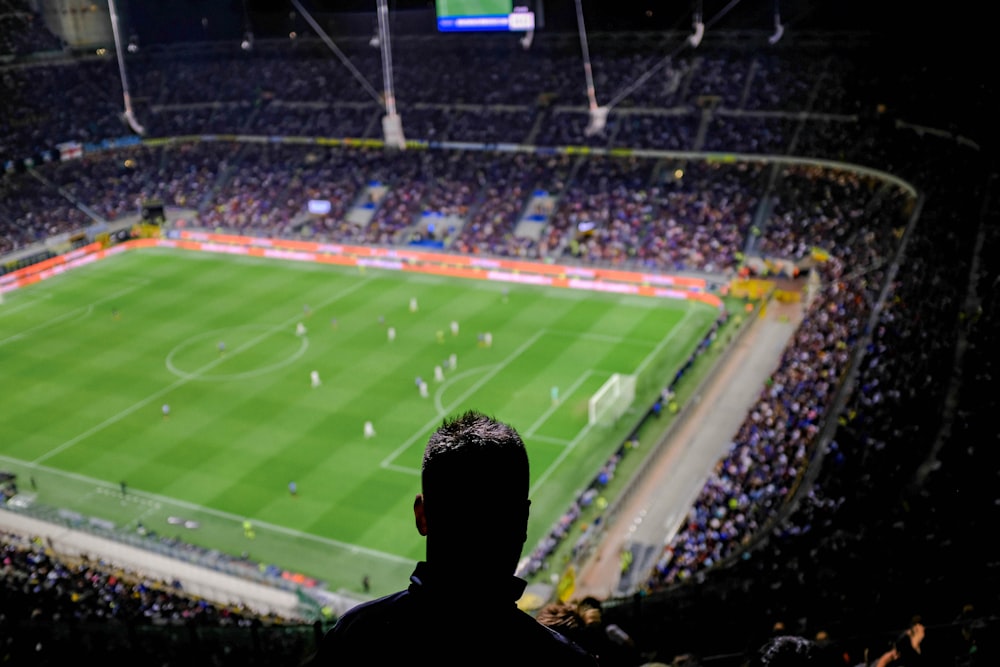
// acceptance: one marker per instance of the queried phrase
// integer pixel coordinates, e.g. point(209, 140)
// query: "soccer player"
point(115, 314)
point(488, 339)
point(453, 361)
point(306, 310)
point(314, 379)
point(300, 329)
point(333, 323)
point(293, 488)
point(166, 411)
point(423, 389)
point(248, 529)
point(391, 333)
point(439, 336)
point(454, 328)
point(554, 392)
point(369, 430)
point(413, 304)
point(438, 374)
point(222, 347)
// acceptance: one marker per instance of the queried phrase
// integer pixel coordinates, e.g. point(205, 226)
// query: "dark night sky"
point(952, 42)
point(905, 24)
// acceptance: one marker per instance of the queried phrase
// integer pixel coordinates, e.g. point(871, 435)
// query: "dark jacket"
point(440, 622)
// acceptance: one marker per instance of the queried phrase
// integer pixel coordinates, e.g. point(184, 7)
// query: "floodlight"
point(699, 32)
point(598, 120)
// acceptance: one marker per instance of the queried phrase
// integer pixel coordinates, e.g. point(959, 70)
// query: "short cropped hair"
point(563, 617)
point(789, 651)
point(473, 465)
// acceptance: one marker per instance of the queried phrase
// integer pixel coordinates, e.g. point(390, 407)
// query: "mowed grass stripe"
point(238, 434)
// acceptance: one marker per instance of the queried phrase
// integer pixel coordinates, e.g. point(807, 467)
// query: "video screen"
point(482, 16)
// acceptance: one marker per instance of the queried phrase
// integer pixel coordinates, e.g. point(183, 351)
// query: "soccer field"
point(88, 359)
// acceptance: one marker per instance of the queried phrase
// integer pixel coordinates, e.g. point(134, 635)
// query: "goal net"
point(612, 400)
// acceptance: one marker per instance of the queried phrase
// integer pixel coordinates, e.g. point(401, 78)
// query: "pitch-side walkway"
point(654, 512)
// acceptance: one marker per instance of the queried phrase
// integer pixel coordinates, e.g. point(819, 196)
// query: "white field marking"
point(113, 419)
point(604, 338)
point(152, 509)
point(110, 489)
point(222, 377)
point(399, 468)
point(128, 497)
point(551, 441)
point(554, 406)
point(151, 505)
point(10, 310)
point(438, 405)
point(82, 310)
point(559, 459)
point(388, 461)
point(663, 343)
point(586, 429)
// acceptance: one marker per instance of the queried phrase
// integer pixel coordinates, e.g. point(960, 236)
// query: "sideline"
point(663, 498)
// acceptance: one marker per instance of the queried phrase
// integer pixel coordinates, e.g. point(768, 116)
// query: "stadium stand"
point(858, 493)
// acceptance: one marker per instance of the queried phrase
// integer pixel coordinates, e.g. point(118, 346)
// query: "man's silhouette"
point(460, 605)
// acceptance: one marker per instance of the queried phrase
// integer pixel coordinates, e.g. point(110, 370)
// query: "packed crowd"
point(645, 213)
point(22, 31)
point(53, 610)
point(893, 515)
point(831, 534)
point(776, 443)
point(281, 89)
point(291, 89)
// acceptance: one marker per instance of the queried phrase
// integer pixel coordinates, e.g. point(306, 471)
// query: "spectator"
point(473, 510)
point(789, 651)
point(907, 650)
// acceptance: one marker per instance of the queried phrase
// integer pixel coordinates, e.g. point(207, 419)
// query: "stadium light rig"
point(128, 115)
point(598, 121)
point(598, 115)
point(527, 39)
point(247, 43)
point(779, 29)
point(699, 27)
point(392, 125)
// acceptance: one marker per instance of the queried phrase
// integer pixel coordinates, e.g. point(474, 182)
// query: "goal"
point(612, 400)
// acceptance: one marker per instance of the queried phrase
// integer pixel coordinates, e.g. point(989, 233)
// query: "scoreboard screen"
point(482, 16)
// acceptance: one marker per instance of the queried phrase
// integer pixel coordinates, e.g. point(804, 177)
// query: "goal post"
point(612, 400)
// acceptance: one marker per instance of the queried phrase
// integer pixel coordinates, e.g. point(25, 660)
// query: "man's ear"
point(418, 514)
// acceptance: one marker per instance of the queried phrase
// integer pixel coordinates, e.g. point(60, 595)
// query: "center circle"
point(259, 349)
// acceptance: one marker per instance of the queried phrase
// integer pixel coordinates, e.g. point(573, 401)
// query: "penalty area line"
point(389, 460)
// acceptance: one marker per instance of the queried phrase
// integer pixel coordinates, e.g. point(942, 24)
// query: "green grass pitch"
point(84, 387)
